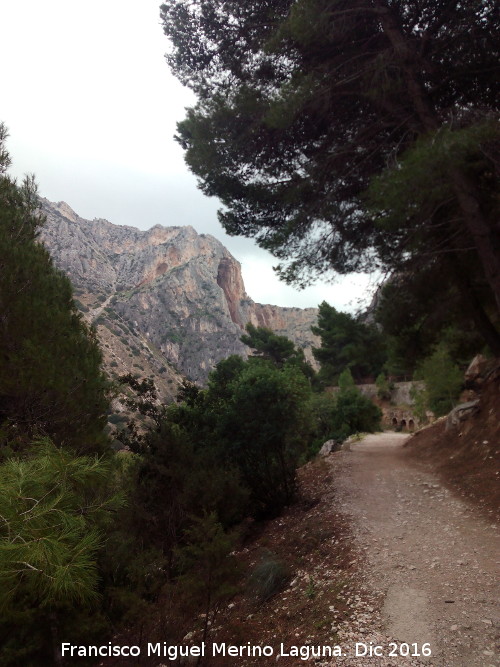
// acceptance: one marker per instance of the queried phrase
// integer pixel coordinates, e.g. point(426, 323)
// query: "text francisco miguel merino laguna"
point(164, 650)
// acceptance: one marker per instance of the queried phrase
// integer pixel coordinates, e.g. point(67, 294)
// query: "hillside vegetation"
point(342, 136)
point(467, 454)
point(92, 539)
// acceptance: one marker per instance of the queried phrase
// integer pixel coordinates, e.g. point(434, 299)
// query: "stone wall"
point(398, 414)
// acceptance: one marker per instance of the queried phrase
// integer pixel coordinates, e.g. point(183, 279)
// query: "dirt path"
point(433, 559)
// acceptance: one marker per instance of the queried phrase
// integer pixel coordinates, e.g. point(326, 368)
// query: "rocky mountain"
point(167, 301)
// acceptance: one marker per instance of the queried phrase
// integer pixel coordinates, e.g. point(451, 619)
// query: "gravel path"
point(432, 560)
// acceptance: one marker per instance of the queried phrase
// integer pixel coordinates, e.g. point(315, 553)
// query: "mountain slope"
point(168, 296)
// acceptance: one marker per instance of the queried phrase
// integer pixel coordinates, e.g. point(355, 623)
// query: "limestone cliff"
point(166, 298)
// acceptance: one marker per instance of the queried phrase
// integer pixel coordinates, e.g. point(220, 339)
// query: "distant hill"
point(167, 302)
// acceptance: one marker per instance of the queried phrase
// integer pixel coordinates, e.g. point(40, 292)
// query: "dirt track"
point(433, 559)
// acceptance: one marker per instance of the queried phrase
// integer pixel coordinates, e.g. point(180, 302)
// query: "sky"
point(91, 109)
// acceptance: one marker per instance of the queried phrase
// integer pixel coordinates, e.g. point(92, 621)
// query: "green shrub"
point(354, 412)
point(443, 381)
point(420, 402)
point(117, 419)
point(209, 570)
point(383, 387)
point(263, 430)
point(81, 306)
point(323, 407)
point(267, 578)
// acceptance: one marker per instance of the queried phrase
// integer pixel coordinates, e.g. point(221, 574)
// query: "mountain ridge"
point(176, 296)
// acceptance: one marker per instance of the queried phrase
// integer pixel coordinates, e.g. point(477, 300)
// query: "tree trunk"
point(480, 230)
point(474, 308)
point(408, 59)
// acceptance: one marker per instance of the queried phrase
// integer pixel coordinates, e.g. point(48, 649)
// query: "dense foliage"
point(277, 349)
point(51, 382)
point(354, 413)
point(348, 135)
point(54, 508)
point(264, 429)
point(92, 540)
point(337, 415)
point(56, 496)
point(254, 417)
point(416, 313)
point(443, 382)
point(347, 342)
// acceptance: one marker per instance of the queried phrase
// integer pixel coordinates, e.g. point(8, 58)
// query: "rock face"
point(175, 299)
point(461, 412)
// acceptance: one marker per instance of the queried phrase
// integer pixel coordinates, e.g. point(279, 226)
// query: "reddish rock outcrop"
point(178, 293)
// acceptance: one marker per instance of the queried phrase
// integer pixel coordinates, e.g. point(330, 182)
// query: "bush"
point(209, 570)
point(355, 413)
point(323, 408)
point(267, 578)
point(420, 402)
point(443, 381)
point(383, 387)
point(117, 419)
point(263, 430)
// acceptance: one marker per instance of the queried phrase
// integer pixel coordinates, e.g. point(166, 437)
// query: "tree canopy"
point(443, 381)
point(263, 431)
point(268, 345)
point(254, 420)
point(279, 350)
point(347, 343)
point(416, 312)
point(51, 382)
point(348, 134)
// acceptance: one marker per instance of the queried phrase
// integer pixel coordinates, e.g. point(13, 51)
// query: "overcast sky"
point(91, 108)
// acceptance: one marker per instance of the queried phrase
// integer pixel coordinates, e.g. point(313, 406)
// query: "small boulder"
point(461, 412)
point(328, 447)
point(473, 374)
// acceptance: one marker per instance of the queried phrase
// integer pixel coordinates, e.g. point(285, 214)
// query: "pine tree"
point(53, 507)
point(51, 382)
point(279, 350)
point(346, 342)
point(209, 571)
point(303, 103)
point(443, 381)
